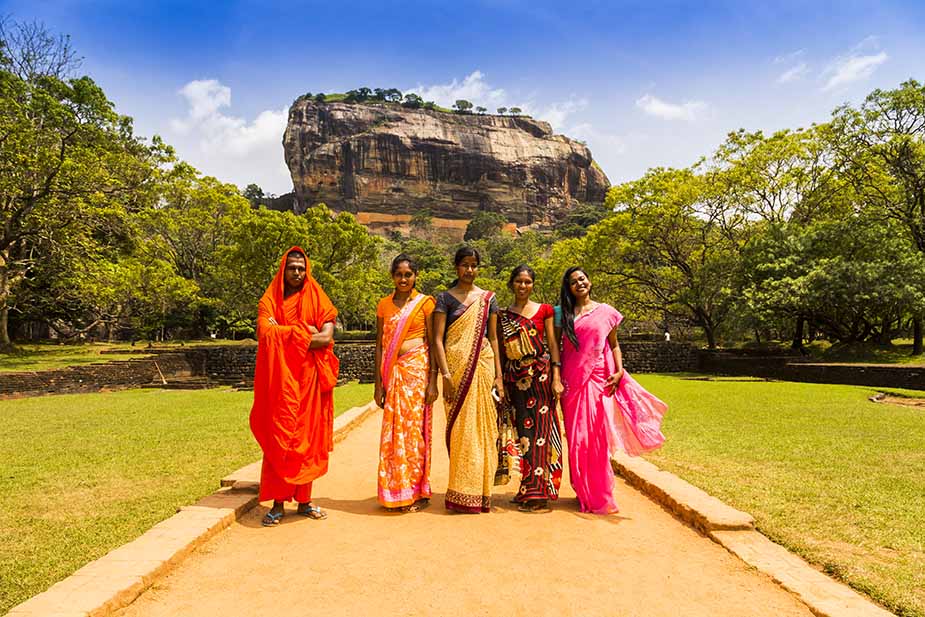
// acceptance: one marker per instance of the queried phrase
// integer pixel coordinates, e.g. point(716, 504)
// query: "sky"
point(644, 84)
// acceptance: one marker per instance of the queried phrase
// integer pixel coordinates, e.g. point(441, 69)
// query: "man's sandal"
point(312, 512)
point(271, 518)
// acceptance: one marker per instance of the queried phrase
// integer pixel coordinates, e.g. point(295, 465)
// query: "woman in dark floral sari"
point(530, 358)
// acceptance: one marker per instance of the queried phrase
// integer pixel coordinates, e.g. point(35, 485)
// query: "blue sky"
point(643, 83)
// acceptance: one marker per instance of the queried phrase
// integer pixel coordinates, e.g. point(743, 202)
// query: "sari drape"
point(292, 417)
point(472, 420)
point(528, 382)
point(597, 424)
point(405, 440)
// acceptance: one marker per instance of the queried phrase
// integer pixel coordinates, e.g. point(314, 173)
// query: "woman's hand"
point(379, 396)
point(613, 382)
point(431, 395)
point(449, 392)
point(313, 329)
point(499, 386)
point(557, 387)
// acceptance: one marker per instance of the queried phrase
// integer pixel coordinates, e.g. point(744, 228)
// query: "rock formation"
point(384, 162)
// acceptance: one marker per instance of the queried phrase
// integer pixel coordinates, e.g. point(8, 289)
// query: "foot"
point(310, 511)
point(274, 516)
point(419, 505)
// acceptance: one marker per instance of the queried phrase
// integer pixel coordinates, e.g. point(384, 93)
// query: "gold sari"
point(472, 420)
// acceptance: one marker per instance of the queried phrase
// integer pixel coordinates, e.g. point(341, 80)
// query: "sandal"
point(418, 505)
point(271, 518)
point(312, 512)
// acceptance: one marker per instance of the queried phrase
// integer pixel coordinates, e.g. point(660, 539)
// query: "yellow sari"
point(472, 420)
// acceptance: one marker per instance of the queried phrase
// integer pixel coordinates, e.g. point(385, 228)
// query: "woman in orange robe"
point(293, 414)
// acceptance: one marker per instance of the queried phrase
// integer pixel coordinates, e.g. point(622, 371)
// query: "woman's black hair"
point(406, 258)
point(466, 251)
point(297, 253)
point(461, 253)
point(567, 304)
point(518, 270)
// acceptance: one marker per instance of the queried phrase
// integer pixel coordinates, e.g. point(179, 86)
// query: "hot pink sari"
point(596, 425)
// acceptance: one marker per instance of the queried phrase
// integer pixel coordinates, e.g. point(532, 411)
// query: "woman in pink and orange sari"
point(405, 389)
point(604, 408)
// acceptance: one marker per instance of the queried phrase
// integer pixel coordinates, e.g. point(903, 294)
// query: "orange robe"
point(293, 413)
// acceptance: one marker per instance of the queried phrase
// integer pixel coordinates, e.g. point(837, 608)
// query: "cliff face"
point(385, 162)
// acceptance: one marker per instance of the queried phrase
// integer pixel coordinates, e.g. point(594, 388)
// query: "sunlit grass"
point(82, 474)
point(825, 472)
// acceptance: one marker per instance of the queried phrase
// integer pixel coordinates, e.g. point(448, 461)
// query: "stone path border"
point(735, 531)
point(114, 581)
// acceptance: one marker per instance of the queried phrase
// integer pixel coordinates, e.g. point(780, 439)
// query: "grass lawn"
point(81, 474)
point(825, 472)
point(44, 356)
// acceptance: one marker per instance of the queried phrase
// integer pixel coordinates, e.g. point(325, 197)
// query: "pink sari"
point(597, 425)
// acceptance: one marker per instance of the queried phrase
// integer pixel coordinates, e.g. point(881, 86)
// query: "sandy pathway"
point(365, 561)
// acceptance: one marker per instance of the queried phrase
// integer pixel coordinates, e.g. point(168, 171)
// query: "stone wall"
point(234, 365)
point(658, 357)
point(788, 368)
point(94, 377)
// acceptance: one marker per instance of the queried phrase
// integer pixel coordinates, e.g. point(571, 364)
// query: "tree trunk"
point(917, 336)
point(798, 334)
point(5, 342)
point(711, 336)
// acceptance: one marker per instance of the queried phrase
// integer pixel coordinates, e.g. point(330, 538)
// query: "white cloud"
point(557, 114)
point(229, 147)
point(790, 58)
point(794, 73)
point(475, 89)
point(472, 88)
point(857, 64)
point(655, 106)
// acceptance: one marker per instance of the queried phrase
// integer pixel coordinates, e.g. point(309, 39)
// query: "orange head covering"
point(293, 413)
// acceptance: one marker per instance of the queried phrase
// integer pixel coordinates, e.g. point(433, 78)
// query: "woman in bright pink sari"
point(604, 408)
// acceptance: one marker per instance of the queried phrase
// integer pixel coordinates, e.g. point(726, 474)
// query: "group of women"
point(503, 372)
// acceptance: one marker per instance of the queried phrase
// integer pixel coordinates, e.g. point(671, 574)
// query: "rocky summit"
point(384, 162)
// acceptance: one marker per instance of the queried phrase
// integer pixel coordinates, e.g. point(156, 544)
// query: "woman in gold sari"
point(405, 389)
point(466, 353)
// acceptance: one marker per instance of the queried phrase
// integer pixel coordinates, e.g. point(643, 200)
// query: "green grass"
point(82, 474)
point(46, 356)
point(825, 472)
point(900, 352)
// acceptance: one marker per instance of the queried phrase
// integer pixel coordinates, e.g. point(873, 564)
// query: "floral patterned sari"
point(405, 443)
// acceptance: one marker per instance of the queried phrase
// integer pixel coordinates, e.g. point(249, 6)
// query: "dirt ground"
point(363, 560)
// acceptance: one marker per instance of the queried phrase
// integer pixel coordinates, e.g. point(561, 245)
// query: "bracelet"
point(446, 375)
point(554, 363)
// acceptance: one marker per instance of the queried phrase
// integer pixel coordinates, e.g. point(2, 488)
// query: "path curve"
point(365, 561)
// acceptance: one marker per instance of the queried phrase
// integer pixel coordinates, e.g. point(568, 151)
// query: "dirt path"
point(365, 561)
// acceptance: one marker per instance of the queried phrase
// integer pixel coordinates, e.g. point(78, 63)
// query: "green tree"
point(393, 95)
point(462, 106)
point(481, 110)
point(665, 252)
point(413, 101)
point(516, 111)
point(253, 193)
point(853, 278)
point(70, 170)
point(484, 224)
point(882, 144)
point(502, 111)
